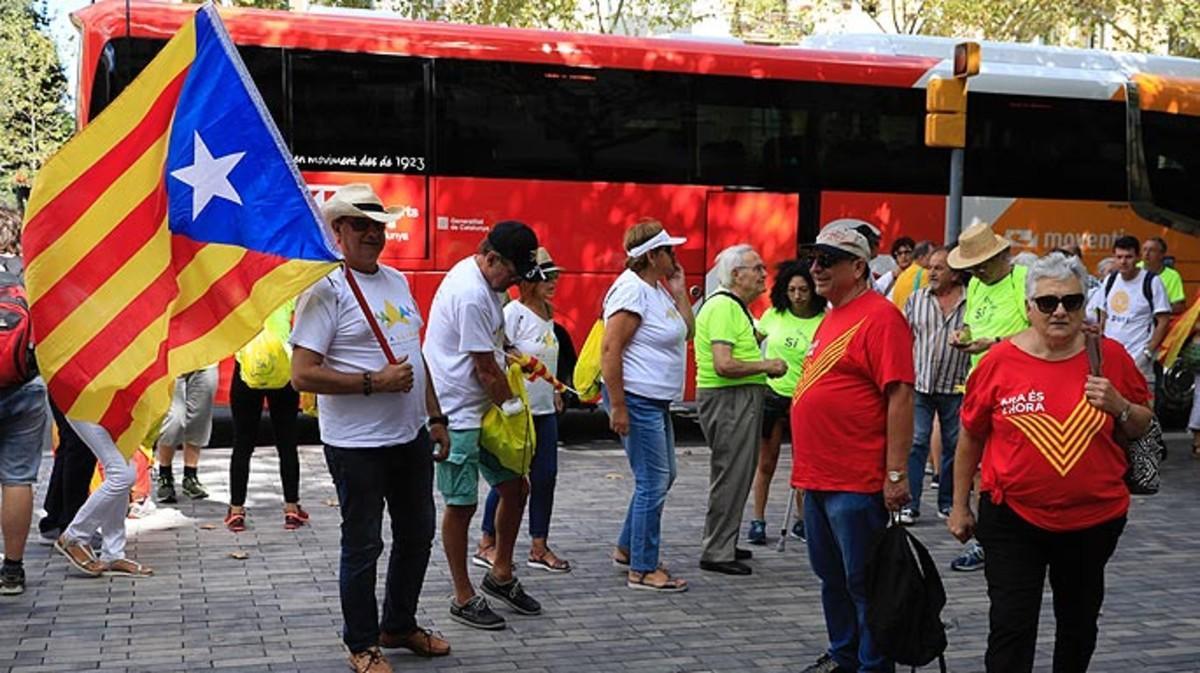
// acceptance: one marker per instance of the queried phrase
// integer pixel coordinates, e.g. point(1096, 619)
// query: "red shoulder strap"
point(362, 304)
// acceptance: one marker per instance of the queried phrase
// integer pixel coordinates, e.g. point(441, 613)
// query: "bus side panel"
point(918, 216)
point(581, 224)
point(765, 220)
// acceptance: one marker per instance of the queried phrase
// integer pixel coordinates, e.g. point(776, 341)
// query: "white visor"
point(659, 240)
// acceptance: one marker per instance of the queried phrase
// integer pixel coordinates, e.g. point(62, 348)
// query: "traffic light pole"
point(954, 202)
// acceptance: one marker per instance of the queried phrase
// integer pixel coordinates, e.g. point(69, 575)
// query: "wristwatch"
point(1124, 415)
point(443, 421)
point(895, 476)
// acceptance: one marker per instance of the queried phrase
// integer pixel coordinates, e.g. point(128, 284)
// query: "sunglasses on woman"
point(1047, 303)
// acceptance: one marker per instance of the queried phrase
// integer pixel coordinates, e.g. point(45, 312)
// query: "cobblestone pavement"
point(277, 609)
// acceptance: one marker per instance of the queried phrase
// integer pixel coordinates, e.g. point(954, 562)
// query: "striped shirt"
point(941, 369)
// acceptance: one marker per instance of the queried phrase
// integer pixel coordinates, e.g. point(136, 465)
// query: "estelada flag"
point(161, 236)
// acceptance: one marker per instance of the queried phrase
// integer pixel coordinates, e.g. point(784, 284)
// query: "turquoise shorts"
point(458, 475)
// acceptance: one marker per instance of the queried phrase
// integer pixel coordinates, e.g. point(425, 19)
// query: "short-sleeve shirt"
point(330, 322)
point(1049, 454)
point(466, 317)
point(996, 310)
point(788, 338)
point(655, 359)
point(1129, 318)
point(722, 319)
point(839, 410)
point(533, 335)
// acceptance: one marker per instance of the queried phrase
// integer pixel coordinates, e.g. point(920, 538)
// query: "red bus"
point(582, 135)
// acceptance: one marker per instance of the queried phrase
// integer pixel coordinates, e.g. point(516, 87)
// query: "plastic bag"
point(510, 438)
point(308, 404)
point(266, 362)
point(587, 368)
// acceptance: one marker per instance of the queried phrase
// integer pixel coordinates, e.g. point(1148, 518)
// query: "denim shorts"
point(458, 475)
point(24, 432)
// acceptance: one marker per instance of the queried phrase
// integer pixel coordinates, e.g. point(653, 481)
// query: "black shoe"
point(742, 554)
point(826, 664)
point(166, 490)
point(476, 613)
point(726, 567)
point(511, 594)
point(12, 580)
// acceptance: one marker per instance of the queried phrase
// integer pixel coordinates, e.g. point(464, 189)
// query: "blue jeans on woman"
point(543, 475)
point(650, 446)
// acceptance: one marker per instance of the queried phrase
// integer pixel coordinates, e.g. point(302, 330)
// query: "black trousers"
point(1018, 556)
point(245, 404)
point(401, 478)
point(70, 477)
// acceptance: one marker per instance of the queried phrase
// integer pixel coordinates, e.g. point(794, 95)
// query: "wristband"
point(367, 389)
point(439, 420)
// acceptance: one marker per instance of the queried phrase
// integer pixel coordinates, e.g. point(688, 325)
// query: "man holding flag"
point(156, 243)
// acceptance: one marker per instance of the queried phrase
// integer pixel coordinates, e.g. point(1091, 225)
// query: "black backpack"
point(905, 598)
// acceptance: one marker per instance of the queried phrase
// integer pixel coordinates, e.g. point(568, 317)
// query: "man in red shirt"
point(852, 420)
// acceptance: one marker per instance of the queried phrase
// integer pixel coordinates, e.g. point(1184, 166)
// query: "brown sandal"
point(79, 556)
point(542, 562)
point(671, 585)
point(124, 567)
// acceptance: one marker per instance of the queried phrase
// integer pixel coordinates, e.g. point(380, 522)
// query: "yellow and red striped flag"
point(159, 239)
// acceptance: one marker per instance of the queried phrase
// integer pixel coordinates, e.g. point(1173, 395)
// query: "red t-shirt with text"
point(839, 410)
point(1048, 454)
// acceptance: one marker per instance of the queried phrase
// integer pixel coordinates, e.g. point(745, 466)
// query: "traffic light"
point(946, 108)
point(967, 58)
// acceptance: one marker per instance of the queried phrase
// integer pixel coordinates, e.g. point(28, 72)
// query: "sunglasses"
point(827, 260)
point(1047, 303)
point(361, 224)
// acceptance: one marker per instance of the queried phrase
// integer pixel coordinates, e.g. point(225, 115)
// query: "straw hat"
point(976, 245)
point(359, 200)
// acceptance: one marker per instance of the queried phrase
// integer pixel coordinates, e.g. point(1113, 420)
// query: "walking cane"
point(787, 519)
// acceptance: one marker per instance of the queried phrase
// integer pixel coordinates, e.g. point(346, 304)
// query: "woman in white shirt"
point(529, 327)
point(647, 322)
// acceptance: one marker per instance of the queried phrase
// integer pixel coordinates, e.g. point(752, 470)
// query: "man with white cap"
point(379, 418)
point(995, 310)
point(464, 344)
point(852, 427)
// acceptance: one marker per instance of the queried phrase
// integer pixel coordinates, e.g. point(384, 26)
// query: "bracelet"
point(367, 389)
point(439, 420)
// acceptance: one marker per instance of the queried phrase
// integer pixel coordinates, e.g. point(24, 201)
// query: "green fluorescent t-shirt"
point(1172, 281)
point(788, 338)
point(722, 319)
point(996, 310)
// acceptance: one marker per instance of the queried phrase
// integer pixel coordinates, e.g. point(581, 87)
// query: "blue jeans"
point(24, 432)
point(840, 527)
point(543, 475)
point(650, 446)
point(924, 407)
point(402, 477)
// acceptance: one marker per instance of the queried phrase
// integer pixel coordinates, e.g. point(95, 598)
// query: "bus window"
point(519, 120)
point(1173, 161)
point(358, 112)
point(1040, 147)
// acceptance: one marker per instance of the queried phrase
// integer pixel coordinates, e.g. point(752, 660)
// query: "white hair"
point(1025, 259)
point(727, 260)
point(1105, 266)
point(1055, 266)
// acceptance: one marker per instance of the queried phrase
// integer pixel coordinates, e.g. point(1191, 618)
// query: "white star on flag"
point(208, 176)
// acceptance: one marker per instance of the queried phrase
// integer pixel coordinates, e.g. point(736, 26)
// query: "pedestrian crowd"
point(1008, 382)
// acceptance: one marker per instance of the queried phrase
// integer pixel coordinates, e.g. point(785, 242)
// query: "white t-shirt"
point(1129, 318)
point(655, 360)
point(532, 335)
point(466, 317)
point(329, 321)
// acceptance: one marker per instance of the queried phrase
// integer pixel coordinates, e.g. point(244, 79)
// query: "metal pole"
point(954, 202)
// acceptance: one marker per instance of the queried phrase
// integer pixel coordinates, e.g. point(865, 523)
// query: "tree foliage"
point(34, 122)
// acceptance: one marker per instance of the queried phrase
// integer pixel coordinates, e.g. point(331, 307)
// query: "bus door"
point(769, 221)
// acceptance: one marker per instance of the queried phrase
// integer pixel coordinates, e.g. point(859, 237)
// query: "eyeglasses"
point(1048, 303)
point(361, 224)
point(828, 261)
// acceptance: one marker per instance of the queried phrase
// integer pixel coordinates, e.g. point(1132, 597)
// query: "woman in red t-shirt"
point(1052, 492)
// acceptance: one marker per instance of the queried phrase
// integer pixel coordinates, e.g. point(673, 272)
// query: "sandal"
point(671, 585)
point(292, 520)
point(235, 521)
point(79, 556)
point(299, 511)
point(620, 559)
point(543, 562)
point(124, 567)
point(480, 558)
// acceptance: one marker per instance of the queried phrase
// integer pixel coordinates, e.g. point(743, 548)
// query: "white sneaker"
point(908, 517)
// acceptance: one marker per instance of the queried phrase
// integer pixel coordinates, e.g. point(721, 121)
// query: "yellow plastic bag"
point(265, 362)
point(510, 439)
point(587, 368)
point(308, 404)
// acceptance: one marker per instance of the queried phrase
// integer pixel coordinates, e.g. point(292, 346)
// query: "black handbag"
point(1142, 453)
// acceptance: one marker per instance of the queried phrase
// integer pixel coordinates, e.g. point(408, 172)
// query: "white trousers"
point(106, 507)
